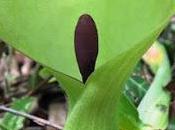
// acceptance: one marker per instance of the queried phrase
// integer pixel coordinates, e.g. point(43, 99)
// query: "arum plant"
point(91, 48)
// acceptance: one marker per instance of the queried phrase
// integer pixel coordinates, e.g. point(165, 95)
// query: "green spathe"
point(47, 27)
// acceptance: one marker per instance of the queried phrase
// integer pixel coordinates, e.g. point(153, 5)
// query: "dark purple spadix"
point(86, 45)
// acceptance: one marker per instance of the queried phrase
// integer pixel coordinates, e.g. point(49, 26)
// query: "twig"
point(31, 117)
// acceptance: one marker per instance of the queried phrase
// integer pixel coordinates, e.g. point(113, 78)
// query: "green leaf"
point(13, 122)
point(128, 115)
point(154, 108)
point(135, 88)
point(44, 30)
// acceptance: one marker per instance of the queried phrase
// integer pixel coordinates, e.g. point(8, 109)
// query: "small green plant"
point(60, 35)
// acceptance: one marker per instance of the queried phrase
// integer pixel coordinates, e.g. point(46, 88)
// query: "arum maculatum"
point(65, 36)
